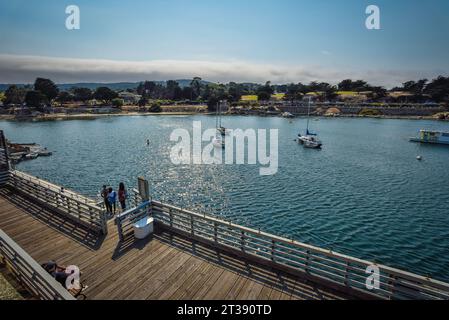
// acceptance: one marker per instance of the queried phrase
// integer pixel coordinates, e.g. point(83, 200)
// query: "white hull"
point(310, 142)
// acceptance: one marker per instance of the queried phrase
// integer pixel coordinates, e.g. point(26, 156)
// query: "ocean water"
point(364, 194)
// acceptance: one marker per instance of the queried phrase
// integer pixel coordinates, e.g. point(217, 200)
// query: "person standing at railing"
point(104, 195)
point(112, 199)
point(122, 195)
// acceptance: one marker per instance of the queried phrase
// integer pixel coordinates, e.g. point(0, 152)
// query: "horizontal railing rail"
point(72, 205)
point(125, 220)
point(342, 270)
point(30, 274)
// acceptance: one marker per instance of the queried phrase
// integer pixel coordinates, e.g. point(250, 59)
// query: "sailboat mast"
point(308, 115)
point(216, 116)
point(219, 119)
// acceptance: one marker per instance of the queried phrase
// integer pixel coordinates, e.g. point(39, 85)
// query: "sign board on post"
point(144, 189)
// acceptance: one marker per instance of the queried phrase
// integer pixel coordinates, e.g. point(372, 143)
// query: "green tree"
point(47, 88)
point(155, 107)
point(196, 85)
point(82, 94)
point(14, 95)
point(295, 91)
point(117, 102)
point(173, 90)
point(142, 102)
point(234, 91)
point(64, 97)
point(212, 102)
point(264, 92)
point(147, 89)
point(105, 94)
point(35, 99)
point(438, 89)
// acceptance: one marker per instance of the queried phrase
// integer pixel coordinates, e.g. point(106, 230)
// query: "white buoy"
point(419, 158)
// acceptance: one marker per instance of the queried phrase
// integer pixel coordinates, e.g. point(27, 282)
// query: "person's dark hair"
point(104, 186)
point(110, 189)
point(121, 186)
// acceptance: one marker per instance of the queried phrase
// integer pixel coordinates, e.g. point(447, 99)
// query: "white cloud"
point(24, 69)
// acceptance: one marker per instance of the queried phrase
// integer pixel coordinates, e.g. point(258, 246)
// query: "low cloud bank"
point(24, 69)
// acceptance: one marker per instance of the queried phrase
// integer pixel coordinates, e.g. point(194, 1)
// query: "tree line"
point(44, 91)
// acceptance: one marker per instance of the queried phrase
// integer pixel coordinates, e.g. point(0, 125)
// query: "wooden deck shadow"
point(54, 220)
point(295, 286)
point(129, 243)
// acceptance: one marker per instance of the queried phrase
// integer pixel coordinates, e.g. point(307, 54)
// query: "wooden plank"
point(170, 286)
point(222, 286)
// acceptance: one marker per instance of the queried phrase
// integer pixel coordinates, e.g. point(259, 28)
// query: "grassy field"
point(7, 292)
point(249, 98)
point(347, 93)
point(277, 96)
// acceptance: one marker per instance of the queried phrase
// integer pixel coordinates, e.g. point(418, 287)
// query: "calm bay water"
point(364, 194)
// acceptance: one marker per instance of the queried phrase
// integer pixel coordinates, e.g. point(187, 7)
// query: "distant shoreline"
point(91, 116)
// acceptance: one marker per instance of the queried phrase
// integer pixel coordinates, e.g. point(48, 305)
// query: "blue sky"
point(241, 40)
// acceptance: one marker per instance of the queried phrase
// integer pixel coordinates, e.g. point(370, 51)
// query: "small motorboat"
point(31, 156)
point(287, 115)
point(45, 153)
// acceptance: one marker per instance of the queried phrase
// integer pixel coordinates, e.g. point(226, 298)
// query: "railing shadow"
point(129, 243)
point(54, 220)
point(293, 286)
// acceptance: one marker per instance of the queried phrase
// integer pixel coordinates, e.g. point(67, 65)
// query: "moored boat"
point(309, 140)
point(433, 137)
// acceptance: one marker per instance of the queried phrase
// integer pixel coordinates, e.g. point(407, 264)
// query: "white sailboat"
point(219, 141)
point(309, 140)
point(220, 128)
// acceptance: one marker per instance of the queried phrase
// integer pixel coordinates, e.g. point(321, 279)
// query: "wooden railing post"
point(119, 228)
point(273, 246)
point(392, 283)
point(171, 217)
point(192, 231)
point(215, 232)
point(346, 282)
point(306, 265)
point(242, 241)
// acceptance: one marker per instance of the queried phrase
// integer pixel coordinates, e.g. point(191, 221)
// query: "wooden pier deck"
point(165, 266)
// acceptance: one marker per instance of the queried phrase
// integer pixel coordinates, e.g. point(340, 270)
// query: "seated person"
point(57, 272)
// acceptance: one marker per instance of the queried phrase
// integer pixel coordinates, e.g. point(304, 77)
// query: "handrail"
point(53, 187)
point(125, 219)
point(74, 206)
point(30, 273)
point(325, 264)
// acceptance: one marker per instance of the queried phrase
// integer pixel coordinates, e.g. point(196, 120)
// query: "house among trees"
point(130, 98)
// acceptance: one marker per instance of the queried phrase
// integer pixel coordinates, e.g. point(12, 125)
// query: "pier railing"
point(74, 206)
point(318, 263)
point(4, 160)
point(29, 272)
point(125, 220)
point(333, 269)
